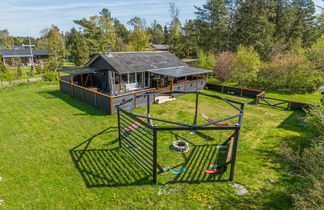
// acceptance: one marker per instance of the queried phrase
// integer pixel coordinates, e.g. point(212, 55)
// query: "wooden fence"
point(102, 101)
point(260, 97)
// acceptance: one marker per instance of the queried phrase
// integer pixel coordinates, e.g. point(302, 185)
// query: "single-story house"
point(124, 74)
point(9, 57)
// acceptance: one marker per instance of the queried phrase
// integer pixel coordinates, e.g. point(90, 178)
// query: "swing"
point(216, 124)
point(177, 172)
point(224, 157)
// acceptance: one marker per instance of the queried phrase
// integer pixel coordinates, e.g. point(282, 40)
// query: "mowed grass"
point(43, 132)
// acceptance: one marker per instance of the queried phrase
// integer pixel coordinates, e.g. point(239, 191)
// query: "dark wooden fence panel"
point(90, 98)
point(78, 93)
point(103, 103)
point(66, 88)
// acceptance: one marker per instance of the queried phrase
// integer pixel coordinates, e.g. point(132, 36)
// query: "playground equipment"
point(139, 131)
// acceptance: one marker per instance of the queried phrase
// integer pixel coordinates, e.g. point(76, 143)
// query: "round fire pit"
point(180, 146)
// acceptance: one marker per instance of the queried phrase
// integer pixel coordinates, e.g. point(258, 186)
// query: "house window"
point(116, 78)
point(146, 79)
point(124, 78)
point(139, 78)
point(132, 78)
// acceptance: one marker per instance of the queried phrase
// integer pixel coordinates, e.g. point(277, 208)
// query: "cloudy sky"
point(29, 17)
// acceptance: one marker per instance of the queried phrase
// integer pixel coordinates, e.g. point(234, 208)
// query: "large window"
point(124, 78)
point(147, 79)
point(139, 78)
point(132, 78)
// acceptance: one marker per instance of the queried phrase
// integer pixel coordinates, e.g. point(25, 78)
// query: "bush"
point(50, 76)
point(224, 65)
point(316, 53)
point(206, 60)
point(309, 164)
point(315, 119)
point(2, 67)
point(246, 65)
point(290, 72)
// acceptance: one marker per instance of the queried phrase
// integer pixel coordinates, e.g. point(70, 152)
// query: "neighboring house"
point(160, 47)
point(10, 57)
point(126, 73)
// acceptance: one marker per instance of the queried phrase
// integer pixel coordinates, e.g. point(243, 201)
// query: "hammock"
point(216, 124)
point(135, 126)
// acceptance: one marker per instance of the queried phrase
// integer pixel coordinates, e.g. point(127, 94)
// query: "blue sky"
point(29, 17)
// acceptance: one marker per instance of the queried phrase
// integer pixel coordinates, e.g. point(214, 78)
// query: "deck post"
point(154, 156)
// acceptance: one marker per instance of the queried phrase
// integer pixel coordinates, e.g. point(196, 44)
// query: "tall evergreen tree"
point(156, 32)
point(253, 26)
point(175, 30)
point(214, 17)
point(78, 47)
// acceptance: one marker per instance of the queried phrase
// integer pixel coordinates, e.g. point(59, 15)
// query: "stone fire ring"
point(180, 146)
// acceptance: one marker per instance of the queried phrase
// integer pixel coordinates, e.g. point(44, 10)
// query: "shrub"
point(50, 76)
point(2, 67)
point(316, 53)
point(246, 65)
point(224, 65)
point(290, 72)
point(206, 60)
point(315, 118)
point(309, 164)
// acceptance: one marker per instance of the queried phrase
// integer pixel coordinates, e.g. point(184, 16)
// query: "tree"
point(174, 30)
point(53, 40)
point(99, 32)
point(78, 47)
point(260, 33)
point(105, 23)
point(303, 19)
point(5, 38)
point(246, 66)
point(138, 38)
point(316, 53)
point(156, 33)
point(224, 65)
point(214, 24)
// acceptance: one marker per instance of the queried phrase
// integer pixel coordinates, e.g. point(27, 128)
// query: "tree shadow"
point(106, 167)
point(294, 122)
point(84, 107)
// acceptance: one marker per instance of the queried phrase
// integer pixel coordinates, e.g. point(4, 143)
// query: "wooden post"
point(197, 80)
point(241, 91)
point(206, 77)
point(110, 105)
point(82, 80)
point(59, 75)
point(134, 100)
point(96, 100)
point(222, 89)
point(289, 105)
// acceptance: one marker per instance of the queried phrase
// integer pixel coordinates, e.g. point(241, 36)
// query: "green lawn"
point(42, 130)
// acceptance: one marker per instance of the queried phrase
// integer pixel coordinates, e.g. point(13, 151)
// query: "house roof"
point(79, 70)
point(179, 71)
point(22, 53)
point(129, 62)
point(161, 46)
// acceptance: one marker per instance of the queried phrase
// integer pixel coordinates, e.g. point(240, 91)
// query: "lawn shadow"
point(84, 107)
point(106, 167)
point(294, 122)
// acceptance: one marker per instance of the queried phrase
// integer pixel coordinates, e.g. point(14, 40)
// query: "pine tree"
point(253, 26)
point(214, 25)
point(78, 47)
